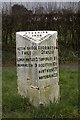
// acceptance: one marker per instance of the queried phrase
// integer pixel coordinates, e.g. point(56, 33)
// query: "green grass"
point(0, 93)
point(14, 106)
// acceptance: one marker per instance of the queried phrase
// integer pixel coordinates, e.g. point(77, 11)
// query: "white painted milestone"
point(37, 66)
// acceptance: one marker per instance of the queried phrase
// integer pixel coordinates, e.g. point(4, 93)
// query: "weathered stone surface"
point(37, 66)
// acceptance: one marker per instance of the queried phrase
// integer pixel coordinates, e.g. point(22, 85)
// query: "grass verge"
point(14, 106)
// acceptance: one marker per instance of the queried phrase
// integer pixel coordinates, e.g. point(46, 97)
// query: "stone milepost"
point(37, 66)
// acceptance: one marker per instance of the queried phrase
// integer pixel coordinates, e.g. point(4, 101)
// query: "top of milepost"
point(36, 36)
